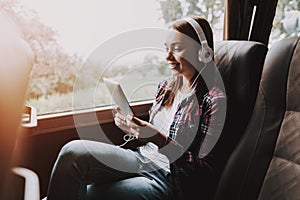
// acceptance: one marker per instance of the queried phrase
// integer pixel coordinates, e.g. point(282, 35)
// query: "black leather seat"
point(266, 162)
point(240, 64)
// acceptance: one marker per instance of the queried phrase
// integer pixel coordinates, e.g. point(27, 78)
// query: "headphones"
point(206, 53)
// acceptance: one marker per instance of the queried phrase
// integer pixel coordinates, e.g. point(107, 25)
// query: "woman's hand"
point(144, 131)
point(125, 123)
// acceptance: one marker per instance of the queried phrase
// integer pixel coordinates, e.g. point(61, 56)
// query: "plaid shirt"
point(196, 124)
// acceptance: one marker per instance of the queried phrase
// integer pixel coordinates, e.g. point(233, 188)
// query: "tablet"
point(118, 96)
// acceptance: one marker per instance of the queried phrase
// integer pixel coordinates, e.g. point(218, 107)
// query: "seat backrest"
point(16, 59)
point(266, 161)
point(240, 64)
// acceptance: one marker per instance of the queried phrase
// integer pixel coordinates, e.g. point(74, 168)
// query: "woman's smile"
point(173, 65)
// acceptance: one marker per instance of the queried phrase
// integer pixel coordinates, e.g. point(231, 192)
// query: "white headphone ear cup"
point(205, 55)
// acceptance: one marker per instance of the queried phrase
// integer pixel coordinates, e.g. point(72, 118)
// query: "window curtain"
point(238, 17)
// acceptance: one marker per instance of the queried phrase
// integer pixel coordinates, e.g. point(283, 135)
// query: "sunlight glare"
point(83, 24)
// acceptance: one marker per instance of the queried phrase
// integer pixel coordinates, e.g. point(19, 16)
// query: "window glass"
point(62, 34)
point(287, 20)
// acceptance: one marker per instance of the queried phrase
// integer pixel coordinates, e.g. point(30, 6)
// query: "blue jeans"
point(78, 167)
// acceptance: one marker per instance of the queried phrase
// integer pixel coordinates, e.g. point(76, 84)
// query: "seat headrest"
point(240, 64)
point(282, 63)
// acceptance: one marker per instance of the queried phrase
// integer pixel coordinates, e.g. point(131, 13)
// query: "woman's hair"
point(184, 27)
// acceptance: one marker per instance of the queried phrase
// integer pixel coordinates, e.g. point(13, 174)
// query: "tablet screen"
point(118, 96)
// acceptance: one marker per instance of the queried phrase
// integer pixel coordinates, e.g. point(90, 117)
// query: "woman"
point(174, 150)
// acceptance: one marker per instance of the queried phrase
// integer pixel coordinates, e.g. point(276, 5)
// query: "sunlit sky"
point(84, 24)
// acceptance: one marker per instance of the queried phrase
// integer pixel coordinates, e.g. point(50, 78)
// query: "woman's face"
point(182, 54)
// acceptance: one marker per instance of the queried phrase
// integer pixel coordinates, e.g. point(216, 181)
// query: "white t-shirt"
point(162, 121)
point(163, 118)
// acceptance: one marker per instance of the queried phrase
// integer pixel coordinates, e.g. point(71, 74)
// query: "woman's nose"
point(170, 55)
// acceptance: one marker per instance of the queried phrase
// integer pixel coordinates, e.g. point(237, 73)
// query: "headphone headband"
point(206, 52)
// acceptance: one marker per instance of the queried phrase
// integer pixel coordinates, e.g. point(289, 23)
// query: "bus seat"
point(265, 164)
point(240, 64)
point(16, 61)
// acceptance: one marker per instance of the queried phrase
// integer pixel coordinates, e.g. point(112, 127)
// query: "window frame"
point(62, 121)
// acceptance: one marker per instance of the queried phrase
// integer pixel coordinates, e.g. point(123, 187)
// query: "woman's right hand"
point(125, 123)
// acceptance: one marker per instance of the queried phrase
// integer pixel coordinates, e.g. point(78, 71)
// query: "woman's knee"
point(70, 154)
point(71, 149)
point(72, 145)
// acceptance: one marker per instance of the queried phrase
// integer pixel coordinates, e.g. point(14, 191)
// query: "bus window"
point(62, 34)
point(287, 20)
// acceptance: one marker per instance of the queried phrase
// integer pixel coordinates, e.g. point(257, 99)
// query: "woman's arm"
point(143, 130)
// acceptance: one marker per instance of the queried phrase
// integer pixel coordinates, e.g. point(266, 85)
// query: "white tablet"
point(118, 96)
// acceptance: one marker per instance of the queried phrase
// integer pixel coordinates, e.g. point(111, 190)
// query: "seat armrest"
point(32, 186)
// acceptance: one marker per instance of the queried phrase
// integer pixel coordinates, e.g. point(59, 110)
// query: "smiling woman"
point(195, 105)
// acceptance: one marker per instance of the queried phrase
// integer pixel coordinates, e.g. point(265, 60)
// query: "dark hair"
point(184, 27)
